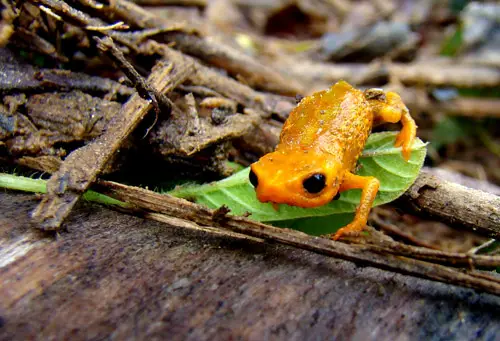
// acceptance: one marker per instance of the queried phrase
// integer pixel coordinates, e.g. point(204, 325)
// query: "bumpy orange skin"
point(325, 134)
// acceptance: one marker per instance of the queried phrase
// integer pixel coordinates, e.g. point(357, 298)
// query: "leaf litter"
point(246, 58)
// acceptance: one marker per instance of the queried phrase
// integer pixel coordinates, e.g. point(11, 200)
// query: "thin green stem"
point(21, 183)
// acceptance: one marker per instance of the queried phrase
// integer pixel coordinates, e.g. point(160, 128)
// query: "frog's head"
point(302, 177)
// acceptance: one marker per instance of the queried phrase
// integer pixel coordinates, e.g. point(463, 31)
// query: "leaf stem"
point(21, 183)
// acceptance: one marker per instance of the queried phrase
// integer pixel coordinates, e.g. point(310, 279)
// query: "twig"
point(140, 17)
point(83, 20)
point(62, 10)
point(434, 256)
point(116, 26)
point(482, 275)
point(83, 165)
point(49, 12)
point(197, 3)
point(176, 222)
point(92, 4)
point(454, 204)
point(186, 210)
point(480, 247)
point(107, 46)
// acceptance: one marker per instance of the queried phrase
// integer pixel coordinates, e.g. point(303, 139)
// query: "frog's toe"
point(404, 137)
point(406, 151)
point(399, 140)
point(353, 230)
point(404, 140)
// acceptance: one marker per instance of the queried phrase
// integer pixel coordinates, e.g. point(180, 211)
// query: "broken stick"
point(454, 204)
point(83, 165)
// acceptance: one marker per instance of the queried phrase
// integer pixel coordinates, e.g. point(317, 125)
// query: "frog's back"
point(336, 121)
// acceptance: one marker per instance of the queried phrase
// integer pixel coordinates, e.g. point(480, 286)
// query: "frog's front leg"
point(369, 185)
point(389, 107)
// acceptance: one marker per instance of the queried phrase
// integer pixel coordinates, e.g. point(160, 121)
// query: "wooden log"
point(114, 276)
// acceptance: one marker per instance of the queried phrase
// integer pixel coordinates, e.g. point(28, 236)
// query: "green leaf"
point(380, 159)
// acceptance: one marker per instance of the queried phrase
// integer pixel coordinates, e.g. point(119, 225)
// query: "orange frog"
point(320, 144)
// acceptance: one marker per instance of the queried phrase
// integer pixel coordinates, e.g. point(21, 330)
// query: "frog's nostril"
point(254, 180)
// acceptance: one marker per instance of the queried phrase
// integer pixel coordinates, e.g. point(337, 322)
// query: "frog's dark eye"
point(253, 178)
point(315, 183)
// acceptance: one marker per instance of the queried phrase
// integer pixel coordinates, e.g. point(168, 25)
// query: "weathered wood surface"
point(114, 276)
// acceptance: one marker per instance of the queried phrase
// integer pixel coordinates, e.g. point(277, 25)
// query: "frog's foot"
point(405, 138)
point(392, 109)
point(353, 229)
point(370, 186)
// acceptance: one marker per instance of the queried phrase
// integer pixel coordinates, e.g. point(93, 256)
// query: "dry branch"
point(454, 204)
point(108, 47)
point(198, 214)
point(385, 247)
point(434, 256)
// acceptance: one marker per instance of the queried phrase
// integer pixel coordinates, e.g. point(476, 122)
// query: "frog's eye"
point(253, 178)
point(315, 183)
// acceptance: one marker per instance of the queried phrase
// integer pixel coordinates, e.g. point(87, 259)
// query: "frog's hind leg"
point(369, 185)
point(389, 107)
